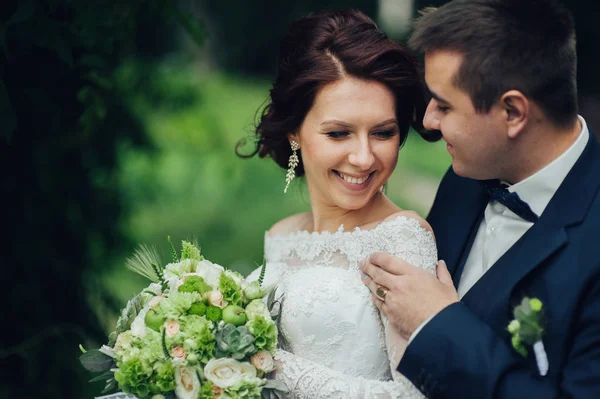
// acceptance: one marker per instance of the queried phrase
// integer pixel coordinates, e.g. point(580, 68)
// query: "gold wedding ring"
point(381, 292)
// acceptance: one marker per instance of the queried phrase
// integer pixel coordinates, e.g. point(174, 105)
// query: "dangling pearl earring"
point(292, 163)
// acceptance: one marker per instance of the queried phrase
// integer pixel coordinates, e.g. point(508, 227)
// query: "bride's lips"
point(354, 186)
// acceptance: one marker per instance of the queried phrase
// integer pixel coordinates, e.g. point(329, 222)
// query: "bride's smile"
point(349, 143)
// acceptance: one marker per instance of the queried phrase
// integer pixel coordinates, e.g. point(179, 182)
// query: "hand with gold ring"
point(381, 292)
point(407, 295)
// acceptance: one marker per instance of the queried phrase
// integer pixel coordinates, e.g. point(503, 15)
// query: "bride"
point(340, 109)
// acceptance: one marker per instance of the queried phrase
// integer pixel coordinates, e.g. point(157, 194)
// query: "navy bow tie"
point(498, 192)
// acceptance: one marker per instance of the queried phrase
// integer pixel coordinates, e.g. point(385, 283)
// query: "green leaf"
point(96, 361)
point(7, 114)
point(173, 250)
point(144, 263)
point(111, 385)
point(103, 377)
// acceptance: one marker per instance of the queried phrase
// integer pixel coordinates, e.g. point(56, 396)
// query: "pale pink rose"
point(263, 361)
point(217, 392)
point(178, 352)
point(172, 328)
point(215, 298)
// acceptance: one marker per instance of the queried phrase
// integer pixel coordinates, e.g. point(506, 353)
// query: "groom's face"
point(476, 141)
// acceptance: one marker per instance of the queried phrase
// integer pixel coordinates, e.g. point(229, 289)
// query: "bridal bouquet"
point(198, 331)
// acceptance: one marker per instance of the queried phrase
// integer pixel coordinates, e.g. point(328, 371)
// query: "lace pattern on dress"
point(337, 344)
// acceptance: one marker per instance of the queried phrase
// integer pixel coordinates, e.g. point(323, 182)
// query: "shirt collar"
point(538, 189)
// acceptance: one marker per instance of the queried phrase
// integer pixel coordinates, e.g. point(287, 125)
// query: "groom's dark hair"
point(525, 45)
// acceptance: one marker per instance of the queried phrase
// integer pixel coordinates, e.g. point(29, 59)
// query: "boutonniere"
point(527, 330)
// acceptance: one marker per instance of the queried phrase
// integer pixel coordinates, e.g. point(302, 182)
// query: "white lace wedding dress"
point(334, 341)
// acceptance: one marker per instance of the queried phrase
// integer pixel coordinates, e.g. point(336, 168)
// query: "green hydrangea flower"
point(231, 290)
point(206, 391)
point(197, 338)
point(142, 367)
point(178, 304)
point(197, 308)
point(265, 333)
point(246, 389)
point(214, 313)
point(194, 284)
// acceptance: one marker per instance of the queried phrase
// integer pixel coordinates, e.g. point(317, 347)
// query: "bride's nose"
point(361, 155)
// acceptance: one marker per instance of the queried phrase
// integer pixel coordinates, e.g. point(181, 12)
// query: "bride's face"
point(349, 143)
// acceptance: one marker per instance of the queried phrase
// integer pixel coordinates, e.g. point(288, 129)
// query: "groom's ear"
point(516, 111)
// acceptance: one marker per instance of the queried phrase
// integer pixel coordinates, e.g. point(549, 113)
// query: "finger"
point(377, 275)
point(371, 285)
point(365, 278)
point(391, 264)
point(378, 302)
point(443, 274)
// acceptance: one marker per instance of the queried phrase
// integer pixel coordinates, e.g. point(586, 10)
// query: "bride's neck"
point(330, 218)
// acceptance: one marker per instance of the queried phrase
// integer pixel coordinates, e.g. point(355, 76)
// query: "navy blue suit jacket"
point(465, 350)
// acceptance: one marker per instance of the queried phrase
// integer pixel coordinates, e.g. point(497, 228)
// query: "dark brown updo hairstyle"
point(322, 48)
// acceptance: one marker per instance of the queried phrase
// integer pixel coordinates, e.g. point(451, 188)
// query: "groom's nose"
point(431, 120)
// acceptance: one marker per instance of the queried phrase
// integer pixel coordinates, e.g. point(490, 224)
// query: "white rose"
point(180, 268)
point(107, 350)
point(215, 298)
point(235, 276)
point(263, 361)
point(174, 283)
point(227, 372)
point(210, 272)
point(188, 384)
point(138, 327)
point(256, 309)
point(155, 301)
point(123, 341)
point(156, 288)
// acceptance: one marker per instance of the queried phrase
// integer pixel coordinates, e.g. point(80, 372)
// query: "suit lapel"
point(568, 207)
point(455, 218)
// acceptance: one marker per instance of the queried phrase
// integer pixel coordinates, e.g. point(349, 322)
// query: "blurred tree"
point(63, 119)
point(245, 35)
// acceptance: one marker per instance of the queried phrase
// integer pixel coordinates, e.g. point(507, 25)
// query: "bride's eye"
point(385, 134)
point(337, 135)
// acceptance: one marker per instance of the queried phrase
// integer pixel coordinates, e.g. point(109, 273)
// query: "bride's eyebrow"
point(336, 122)
point(347, 125)
point(386, 122)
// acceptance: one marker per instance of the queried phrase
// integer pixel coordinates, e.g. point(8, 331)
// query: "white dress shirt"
point(500, 228)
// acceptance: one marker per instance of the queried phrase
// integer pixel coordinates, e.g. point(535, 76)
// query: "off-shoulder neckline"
point(341, 231)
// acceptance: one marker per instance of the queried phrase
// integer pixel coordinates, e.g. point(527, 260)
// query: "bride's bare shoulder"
point(411, 215)
point(292, 224)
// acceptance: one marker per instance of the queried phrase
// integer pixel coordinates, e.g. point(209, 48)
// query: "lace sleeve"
point(406, 239)
point(306, 379)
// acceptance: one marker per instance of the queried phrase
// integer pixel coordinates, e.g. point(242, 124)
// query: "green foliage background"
point(118, 122)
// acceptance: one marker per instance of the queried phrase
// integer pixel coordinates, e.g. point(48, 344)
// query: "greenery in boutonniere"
point(527, 330)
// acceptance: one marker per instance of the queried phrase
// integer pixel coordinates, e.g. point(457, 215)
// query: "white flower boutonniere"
point(527, 330)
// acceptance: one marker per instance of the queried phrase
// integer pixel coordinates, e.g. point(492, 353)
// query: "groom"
point(517, 215)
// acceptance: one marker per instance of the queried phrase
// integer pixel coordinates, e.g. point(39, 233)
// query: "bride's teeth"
point(354, 180)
